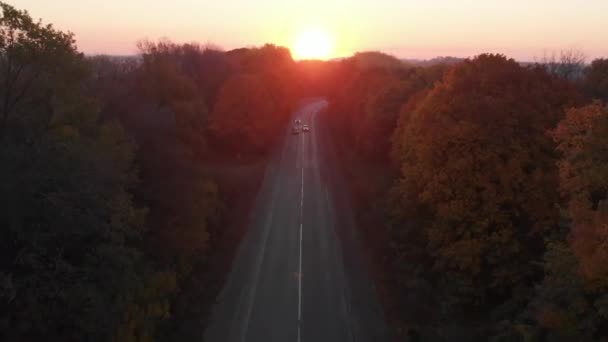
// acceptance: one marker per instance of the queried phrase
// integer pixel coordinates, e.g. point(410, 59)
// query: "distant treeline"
point(484, 185)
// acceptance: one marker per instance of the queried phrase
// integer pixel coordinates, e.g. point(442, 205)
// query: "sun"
point(312, 44)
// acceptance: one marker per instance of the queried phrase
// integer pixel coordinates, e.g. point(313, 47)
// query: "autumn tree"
point(246, 117)
point(275, 67)
point(366, 95)
point(254, 104)
point(478, 184)
point(572, 301)
point(348, 104)
point(382, 109)
point(596, 79)
point(381, 113)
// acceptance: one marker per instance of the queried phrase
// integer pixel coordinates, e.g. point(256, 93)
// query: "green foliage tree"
point(69, 230)
point(174, 91)
point(39, 65)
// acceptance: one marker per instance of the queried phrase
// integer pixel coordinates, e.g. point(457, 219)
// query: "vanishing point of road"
point(298, 274)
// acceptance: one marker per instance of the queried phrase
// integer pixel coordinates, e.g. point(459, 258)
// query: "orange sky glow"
point(404, 28)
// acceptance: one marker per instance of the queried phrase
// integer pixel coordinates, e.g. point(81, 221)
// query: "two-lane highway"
point(289, 281)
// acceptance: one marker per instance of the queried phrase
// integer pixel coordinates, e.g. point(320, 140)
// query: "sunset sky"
point(405, 28)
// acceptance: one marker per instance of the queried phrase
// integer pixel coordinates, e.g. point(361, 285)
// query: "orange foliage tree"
point(478, 182)
point(245, 118)
point(571, 303)
point(361, 81)
point(254, 104)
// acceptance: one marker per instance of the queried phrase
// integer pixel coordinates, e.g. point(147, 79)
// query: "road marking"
point(300, 262)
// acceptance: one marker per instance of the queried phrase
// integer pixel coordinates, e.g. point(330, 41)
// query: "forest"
point(115, 195)
point(481, 189)
point(480, 185)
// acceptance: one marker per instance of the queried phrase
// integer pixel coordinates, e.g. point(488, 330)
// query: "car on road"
point(295, 130)
point(305, 128)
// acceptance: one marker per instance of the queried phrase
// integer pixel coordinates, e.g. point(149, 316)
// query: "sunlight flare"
point(313, 44)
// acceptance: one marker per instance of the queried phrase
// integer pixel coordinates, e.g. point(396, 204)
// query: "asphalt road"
point(298, 274)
